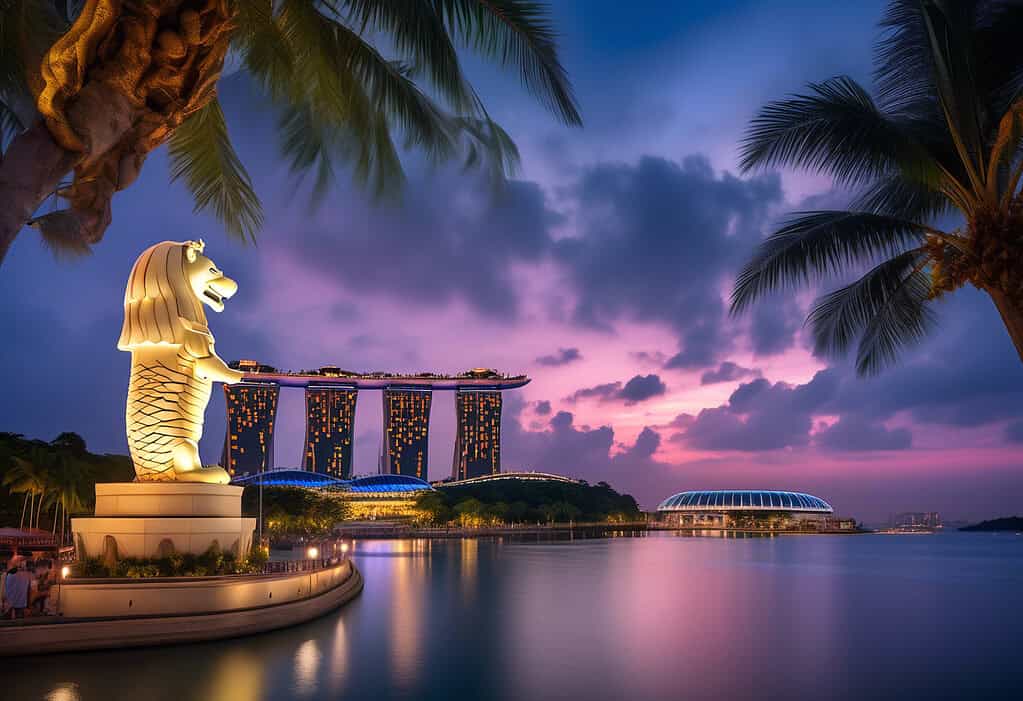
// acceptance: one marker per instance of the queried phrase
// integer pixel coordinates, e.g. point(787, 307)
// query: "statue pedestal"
point(140, 516)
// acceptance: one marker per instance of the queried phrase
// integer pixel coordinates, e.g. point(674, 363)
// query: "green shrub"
point(210, 563)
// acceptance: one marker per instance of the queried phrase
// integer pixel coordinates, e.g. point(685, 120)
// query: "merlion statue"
point(173, 362)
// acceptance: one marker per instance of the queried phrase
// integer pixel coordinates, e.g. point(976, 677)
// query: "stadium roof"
point(745, 500)
point(388, 483)
point(288, 477)
point(520, 476)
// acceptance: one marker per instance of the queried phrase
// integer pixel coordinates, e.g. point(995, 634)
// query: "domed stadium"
point(376, 484)
point(748, 509)
point(745, 500)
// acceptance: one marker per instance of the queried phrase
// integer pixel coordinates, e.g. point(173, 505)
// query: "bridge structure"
point(331, 395)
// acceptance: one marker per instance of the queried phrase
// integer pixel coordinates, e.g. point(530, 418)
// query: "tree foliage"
point(514, 501)
point(942, 133)
point(56, 479)
point(292, 511)
point(354, 83)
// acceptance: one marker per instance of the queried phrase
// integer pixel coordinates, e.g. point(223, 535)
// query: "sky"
point(602, 271)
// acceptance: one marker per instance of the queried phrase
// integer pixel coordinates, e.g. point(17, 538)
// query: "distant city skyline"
point(602, 272)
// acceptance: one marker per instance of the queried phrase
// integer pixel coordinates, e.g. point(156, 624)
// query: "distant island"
point(1010, 523)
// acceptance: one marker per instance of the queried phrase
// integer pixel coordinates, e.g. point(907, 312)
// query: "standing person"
point(19, 588)
point(3, 592)
point(41, 584)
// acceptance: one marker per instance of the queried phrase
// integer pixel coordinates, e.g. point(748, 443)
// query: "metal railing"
point(290, 566)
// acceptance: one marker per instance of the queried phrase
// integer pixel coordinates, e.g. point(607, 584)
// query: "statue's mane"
point(159, 304)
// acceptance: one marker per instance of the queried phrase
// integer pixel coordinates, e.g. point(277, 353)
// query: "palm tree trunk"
point(30, 170)
point(1012, 317)
point(21, 523)
point(39, 509)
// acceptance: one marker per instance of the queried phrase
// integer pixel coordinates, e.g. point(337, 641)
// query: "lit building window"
point(478, 436)
point(330, 421)
point(251, 413)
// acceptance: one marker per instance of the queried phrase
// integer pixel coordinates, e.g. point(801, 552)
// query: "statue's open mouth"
point(217, 290)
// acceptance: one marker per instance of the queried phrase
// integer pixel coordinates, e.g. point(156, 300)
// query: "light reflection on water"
point(307, 667)
point(661, 617)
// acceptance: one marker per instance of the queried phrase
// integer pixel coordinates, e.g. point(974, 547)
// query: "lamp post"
point(261, 473)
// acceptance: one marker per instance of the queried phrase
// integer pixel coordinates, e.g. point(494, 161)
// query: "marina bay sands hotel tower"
point(331, 395)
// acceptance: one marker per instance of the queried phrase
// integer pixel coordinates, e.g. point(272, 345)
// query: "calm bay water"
point(658, 617)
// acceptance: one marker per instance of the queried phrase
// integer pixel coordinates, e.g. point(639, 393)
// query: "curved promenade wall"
point(117, 613)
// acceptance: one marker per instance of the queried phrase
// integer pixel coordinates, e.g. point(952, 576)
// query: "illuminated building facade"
point(370, 498)
point(251, 413)
point(329, 424)
point(478, 438)
point(406, 431)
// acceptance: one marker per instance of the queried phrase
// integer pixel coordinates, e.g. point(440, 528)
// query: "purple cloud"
point(564, 356)
point(726, 372)
point(759, 416)
point(1014, 432)
point(657, 241)
point(642, 387)
point(639, 389)
point(855, 433)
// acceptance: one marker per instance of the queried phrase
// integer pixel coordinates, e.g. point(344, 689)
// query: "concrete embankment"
point(163, 611)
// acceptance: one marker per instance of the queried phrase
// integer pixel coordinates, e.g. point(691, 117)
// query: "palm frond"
point(351, 99)
point(836, 129)
point(61, 232)
point(417, 33)
point(330, 113)
point(999, 61)
point(900, 197)
point(201, 153)
point(903, 65)
point(839, 318)
point(948, 28)
point(310, 144)
point(489, 145)
point(814, 245)
point(520, 33)
point(264, 47)
point(902, 319)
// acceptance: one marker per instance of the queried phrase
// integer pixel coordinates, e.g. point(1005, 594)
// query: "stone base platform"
point(143, 518)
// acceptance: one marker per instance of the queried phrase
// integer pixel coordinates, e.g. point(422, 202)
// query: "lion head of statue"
point(163, 302)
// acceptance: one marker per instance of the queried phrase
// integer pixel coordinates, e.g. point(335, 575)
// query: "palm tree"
point(90, 87)
point(942, 135)
point(28, 475)
point(71, 479)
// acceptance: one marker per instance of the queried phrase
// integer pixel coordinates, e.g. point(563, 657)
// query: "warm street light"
point(65, 572)
point(313, 553)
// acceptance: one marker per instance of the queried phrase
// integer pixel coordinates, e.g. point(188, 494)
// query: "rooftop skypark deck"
point(478, 378)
